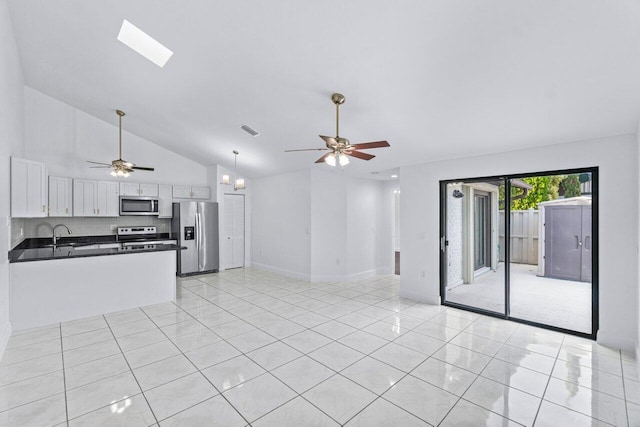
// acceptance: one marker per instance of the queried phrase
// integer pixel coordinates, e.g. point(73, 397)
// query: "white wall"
point(11, 143)
point(455, 236)
point(637, 349)
point(363, 206)
point(336, 227)
point(65, 138)
point(329, 222)
point(281, 224)
point(617, 158)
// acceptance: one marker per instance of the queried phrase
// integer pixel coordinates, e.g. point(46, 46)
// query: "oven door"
point(138, 205)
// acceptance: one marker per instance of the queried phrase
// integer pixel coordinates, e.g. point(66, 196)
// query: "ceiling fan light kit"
point(341, 149)
point(120, 168)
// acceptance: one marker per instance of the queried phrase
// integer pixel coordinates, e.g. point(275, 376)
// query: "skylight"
point(144, 44)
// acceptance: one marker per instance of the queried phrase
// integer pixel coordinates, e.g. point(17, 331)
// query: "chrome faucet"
point(55, 239)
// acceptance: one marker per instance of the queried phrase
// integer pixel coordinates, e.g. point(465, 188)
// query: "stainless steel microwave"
point(138, 205)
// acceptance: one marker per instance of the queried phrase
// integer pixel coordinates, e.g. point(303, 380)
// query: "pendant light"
point(238, 182)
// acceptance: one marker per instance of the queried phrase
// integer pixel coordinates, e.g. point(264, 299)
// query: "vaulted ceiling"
point(438, 79)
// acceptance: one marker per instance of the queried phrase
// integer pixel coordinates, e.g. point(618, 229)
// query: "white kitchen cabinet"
point(129, 188)
point(95, 198)
point(28, 188)
point(85, 197)
point(181, 192)
point(200, 193)
point(107, 200)
point(165, 200)
point(149, 190)
point(60, 196)
point(186, 192)
point(141, 190)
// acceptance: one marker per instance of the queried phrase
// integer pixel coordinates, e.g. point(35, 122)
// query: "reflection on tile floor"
point(246, 347)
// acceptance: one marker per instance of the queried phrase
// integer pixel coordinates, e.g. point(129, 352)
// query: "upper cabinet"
point(165, 200)
point(84, 197)
point(28, 189)
point(185, 192)
point(95, 198)
point(107, 199)
point(60, 196)
point(135, 189)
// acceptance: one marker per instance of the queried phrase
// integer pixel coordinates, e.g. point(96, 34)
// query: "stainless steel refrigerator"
point(195, 226)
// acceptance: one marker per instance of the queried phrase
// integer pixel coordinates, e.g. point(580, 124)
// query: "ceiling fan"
point(121, 168)
point(339, 147)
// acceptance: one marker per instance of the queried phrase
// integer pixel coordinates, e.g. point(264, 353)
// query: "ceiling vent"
point(249, 130)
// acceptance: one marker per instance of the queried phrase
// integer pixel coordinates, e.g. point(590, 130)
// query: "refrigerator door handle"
point(198, 238)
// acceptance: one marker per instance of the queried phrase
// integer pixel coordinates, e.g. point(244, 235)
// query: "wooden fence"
point(524, 236)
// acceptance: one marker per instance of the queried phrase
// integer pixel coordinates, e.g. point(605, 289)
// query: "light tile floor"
point(246, 347)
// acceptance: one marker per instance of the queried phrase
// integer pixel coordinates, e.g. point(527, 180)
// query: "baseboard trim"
point(637, 356)
point(4, 338)
point(362, 275)
point(426, 299)
point(384, 271)
point(284, 272)
point(615, 341)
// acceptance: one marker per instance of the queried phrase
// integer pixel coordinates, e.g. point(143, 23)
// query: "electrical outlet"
point(21, 231)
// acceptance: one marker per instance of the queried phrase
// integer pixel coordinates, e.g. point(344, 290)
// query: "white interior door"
point(233, 231)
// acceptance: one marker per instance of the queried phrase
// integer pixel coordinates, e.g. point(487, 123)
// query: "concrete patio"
point(561, 303)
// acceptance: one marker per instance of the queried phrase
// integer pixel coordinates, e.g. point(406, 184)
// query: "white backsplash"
point(81, 226)
point(17, 224)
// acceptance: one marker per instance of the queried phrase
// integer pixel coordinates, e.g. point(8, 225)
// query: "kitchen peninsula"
point(88, 276)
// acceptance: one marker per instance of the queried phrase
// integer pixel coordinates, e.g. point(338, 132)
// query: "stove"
point(147, 235)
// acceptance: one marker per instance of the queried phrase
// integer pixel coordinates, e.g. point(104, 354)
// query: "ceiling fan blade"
point(307, 149)
point(367, 145)
point(99, 167)
point(321, 159)
point(141, 168)
point(331, 142)
point(99, 163)
point(359, 155)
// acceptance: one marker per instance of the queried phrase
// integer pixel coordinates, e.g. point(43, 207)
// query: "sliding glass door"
point(523, 247)
point(474, 273)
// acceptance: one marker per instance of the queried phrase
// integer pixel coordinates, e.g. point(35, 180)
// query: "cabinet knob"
point(44, 208)
point(66, 210)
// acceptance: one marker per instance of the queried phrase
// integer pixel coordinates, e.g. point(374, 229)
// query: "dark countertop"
point(40, 249)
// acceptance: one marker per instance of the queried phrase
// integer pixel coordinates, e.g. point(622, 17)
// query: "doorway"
point(233, 231)
point(523, 247)
point(396, 231)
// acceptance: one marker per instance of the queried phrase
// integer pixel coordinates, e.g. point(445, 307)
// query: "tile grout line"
point(64, 377)
point(544, 393)
point(131, 371)
point(197, 369)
